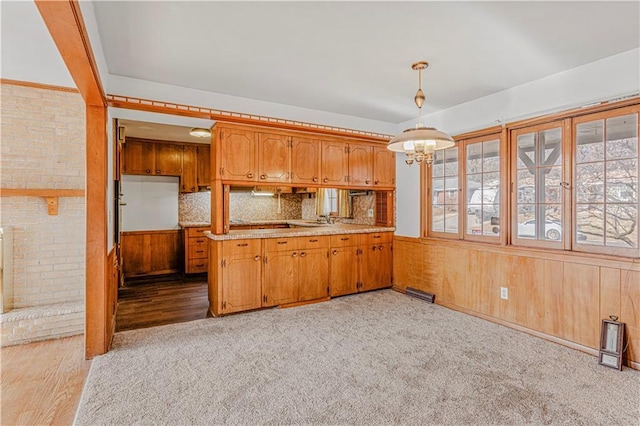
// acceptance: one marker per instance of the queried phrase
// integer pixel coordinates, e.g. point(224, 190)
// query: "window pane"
point(590, 224)
point(483, 188)
point(622, 140)
point(526, 150)
point(526, 187)
point(621, 225)
point(451, 190)
point(552, 177)
point(590, 183)
point(622, 180)
point(451, 162)
point(552, 229)
point(451, 219)
point(474, 158)
point(550, 142)
point(437, 218)
point(491, 155)
point(526, 221)
point(590, 141)
point(445, 191)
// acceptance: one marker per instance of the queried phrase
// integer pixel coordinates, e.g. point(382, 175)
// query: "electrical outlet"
point(370, 213)
point(504, 293)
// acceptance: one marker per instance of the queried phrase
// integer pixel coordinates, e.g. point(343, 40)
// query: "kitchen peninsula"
point(309, 262)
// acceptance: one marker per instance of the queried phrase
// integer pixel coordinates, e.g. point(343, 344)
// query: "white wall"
point(601, 80)
point(151, 202)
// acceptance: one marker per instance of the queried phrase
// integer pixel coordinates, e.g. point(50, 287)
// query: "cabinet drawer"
point(198, 251)
point(196, 241)
point(197, 232)
point(345, 240)
point(378, 238)
point(311, 242)
point(195, 266)
point(241, 247)
point(280, 244)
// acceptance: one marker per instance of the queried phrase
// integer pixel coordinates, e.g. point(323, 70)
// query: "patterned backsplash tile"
point(196, 207)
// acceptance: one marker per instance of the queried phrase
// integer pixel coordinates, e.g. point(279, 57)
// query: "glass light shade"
point(200, 133)
point(429, 138)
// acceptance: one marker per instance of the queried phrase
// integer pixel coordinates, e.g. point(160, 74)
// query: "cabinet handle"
point(282, 242)
point(250, 175)
point(375, 182)
point(294, 254)
point(335, 252)
point(313, 241)
point(256, 258)
point(376, 236)
point(367, 181)
point(303, 254)
point(325, 180)
point(315, 179)
point(199, 265)
point(148, 171)
point(344, 239)
point(158, 171)
point(242, 245)
point(199, 251)
point(199, 241)
point(263, 176)
point(193, 189)
point(380, 248)
point(373, 248)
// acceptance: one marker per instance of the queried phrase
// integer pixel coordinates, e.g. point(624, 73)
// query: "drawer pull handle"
point(199, 251)
point(242, 245)
point(376, 236)
point(303, 254)
point(313, 241)
point(344, 239)
point(335, 252)
point(200, 265)
point(199, 241)
point(294, 254)
point(282, 242)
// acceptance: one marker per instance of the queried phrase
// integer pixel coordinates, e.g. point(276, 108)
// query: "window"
point(538, 184)
point(482, 187)
point(606, 177)
point(465, 190)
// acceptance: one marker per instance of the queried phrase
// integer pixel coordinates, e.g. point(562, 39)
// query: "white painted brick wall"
point(42, 146)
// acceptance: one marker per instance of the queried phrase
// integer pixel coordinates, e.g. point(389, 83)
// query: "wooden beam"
point(64, 21)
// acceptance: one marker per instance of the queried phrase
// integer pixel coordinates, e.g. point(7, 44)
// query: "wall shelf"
point(50, 195)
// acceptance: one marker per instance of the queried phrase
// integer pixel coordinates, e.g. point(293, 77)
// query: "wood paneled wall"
point(151, 252)
point(562, 297)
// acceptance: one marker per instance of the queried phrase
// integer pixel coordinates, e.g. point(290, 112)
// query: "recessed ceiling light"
point(200, 133)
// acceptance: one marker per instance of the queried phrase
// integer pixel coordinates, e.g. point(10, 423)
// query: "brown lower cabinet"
point(150, 252)
point(253, 273)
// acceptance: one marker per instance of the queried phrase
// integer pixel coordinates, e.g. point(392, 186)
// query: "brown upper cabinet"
point(305, 160)
point(188, 179)
point(245, 154)
point(384, 168)
point(203, 166)
point(149, 158)
point(168, 159)
point(238, 159)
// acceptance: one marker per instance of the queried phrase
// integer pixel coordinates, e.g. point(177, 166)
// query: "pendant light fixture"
point(420, 143)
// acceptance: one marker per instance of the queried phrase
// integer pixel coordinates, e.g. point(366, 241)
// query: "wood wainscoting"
point(559, 296)
point(151, 252)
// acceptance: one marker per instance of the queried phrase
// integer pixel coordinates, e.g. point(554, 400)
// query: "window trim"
point(429, 198)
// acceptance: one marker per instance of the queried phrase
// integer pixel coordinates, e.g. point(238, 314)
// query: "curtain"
point(344, 203)
point(323, 206)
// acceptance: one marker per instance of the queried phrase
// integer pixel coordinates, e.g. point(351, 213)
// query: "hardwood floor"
point(42, 382)
point(159, 301)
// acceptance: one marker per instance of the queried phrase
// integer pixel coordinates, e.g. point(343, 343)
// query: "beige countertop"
point(306, 228)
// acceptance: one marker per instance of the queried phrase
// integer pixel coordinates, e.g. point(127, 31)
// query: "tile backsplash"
point(196, 207)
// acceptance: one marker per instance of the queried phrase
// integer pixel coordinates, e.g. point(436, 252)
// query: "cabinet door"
point(204, 166)
point(335, 163)
point(241, 272)
point(165, 252)
point(376, 266)
point(188, 181)
point(313, 274)
point(138, 158)
point(168, 159)
point(305, 161)
point(280, 285)
point(134, 249)
point(344, 271)
point(360, 165)
point(384, 168)
point(238, 155)
point(273, 158)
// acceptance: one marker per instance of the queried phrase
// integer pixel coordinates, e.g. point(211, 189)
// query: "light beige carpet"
point(374, 358)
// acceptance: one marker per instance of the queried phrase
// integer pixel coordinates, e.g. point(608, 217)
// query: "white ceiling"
point(354, 58)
